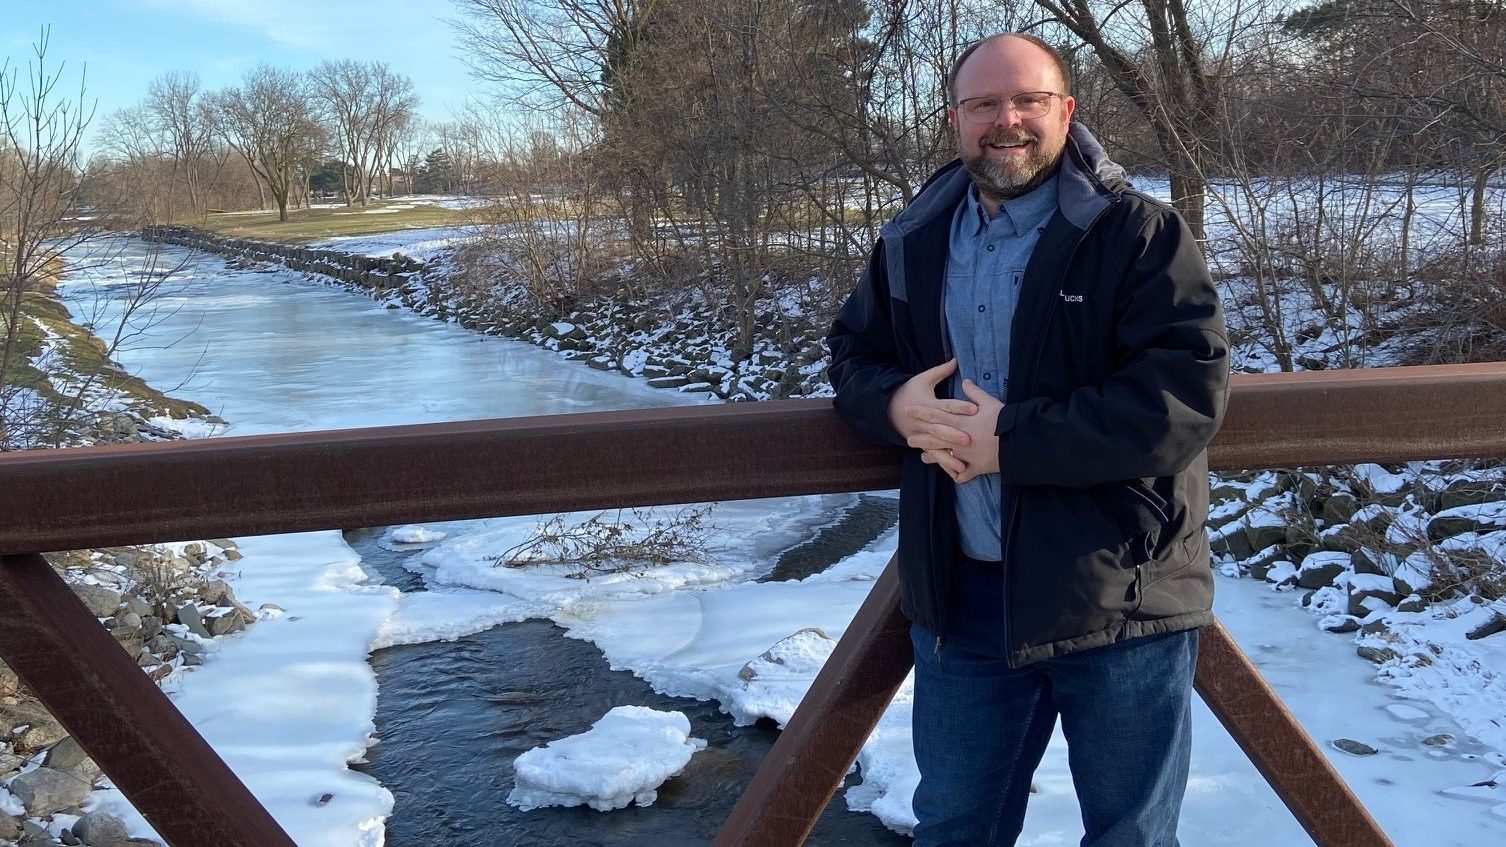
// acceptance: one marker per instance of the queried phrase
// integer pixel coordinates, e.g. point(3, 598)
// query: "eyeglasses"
point(986, 109)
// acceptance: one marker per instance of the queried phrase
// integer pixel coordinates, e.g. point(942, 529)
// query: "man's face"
point(1010, 155)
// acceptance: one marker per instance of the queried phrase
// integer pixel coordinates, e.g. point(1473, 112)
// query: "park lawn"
point(305, 225)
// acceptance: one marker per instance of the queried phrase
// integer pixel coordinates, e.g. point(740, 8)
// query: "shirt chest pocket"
point(980, 306)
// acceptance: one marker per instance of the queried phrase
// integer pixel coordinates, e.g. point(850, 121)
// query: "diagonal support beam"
point(1279, 747)
point(813, 752)
point(807, 763)
point(81, 674)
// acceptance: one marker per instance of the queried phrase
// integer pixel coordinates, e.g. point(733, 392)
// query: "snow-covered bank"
point(289, 703)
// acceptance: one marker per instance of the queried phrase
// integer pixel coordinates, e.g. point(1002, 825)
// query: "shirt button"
point(990, 248)
point(987, 375)
point(982, 308)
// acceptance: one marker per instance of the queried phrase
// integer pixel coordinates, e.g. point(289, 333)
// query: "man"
point(1051, 345)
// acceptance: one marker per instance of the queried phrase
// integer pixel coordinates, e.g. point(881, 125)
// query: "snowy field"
point(290, 702)
point(425, 245)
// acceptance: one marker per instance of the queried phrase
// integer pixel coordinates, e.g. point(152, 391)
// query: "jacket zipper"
point(1035, 363)
point(943, 598)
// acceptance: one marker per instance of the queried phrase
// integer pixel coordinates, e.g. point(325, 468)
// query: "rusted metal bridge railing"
point(95, 497)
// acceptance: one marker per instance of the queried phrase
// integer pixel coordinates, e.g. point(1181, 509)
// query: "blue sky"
point(123, 44)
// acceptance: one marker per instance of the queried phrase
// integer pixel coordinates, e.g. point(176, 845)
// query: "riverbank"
point(166, 605)
point(66, 390)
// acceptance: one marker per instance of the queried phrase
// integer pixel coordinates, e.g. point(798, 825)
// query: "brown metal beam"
point(1279, 747)
point(1363, 415)
point(90, 497)
point(130, 728)
point(823, 737)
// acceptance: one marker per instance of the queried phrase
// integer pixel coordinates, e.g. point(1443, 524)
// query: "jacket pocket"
point(1142, 515)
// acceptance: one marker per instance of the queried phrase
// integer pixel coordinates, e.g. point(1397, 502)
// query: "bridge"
point(149, 493)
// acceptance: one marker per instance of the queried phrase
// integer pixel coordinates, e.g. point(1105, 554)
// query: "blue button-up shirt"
point(986, 261)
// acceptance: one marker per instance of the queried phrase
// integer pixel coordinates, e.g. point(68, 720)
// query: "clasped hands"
point(956, 435)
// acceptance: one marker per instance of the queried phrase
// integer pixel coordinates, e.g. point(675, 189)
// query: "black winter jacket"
point(1118, 371)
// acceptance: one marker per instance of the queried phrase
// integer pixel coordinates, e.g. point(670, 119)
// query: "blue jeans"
point(980, 729)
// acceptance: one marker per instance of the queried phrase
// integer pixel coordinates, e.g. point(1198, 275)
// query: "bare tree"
point(41, 218)
point(55, 214)
point(364, 103)
point(396, 106)
point(574, 49)
point(1169, 64)
point(270, 122)
point(177, 105)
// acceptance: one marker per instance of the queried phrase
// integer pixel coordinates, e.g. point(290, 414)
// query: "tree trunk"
point(1477, 203)
point(1189, 195)
point(1407, 216)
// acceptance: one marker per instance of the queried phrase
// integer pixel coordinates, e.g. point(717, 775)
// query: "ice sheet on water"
point(622, 759)
point(415, 534)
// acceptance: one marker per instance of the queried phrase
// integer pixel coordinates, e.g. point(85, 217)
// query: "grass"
point(78, 356)
point(305, 225)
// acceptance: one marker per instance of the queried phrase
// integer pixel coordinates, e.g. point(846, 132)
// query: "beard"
point(1003, 180)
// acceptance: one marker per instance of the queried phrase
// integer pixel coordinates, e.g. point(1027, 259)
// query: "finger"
point(928, 441)
point(948, 462)
point(939, 436)
point(975, 393)
point(936, 416)
point(967, 475)
point(957, 407)
point(940, 372)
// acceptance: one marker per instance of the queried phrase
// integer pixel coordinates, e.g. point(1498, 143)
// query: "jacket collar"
point(1088, 181)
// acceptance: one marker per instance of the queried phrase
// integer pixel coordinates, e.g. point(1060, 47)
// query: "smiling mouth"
point(1007, 141)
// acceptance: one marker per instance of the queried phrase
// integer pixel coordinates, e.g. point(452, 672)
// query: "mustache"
point(1000, 135)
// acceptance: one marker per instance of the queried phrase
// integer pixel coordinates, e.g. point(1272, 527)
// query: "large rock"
point(45, 791)
point(1261, 537)
point(224, 621)
point(1469, 518)
point(1367, 560)
point(40, 730)
point(65, 755)
point(1320, 569)
point(137, 606)
point(130, 640)
point(10, 763)
point(1377, 596)
point(101, 829)
point(189, 616)
point(1340, 508)
point(102, 602)
point(1491, 627)
point(10, 828)
point(1466, 493)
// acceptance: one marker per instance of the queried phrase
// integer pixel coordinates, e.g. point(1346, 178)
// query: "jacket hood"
point(1088, 181)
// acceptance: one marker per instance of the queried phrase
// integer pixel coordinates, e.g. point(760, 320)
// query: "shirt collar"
point(1024, 212)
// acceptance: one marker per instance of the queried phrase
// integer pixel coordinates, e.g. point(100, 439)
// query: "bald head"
point(1023, 41)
